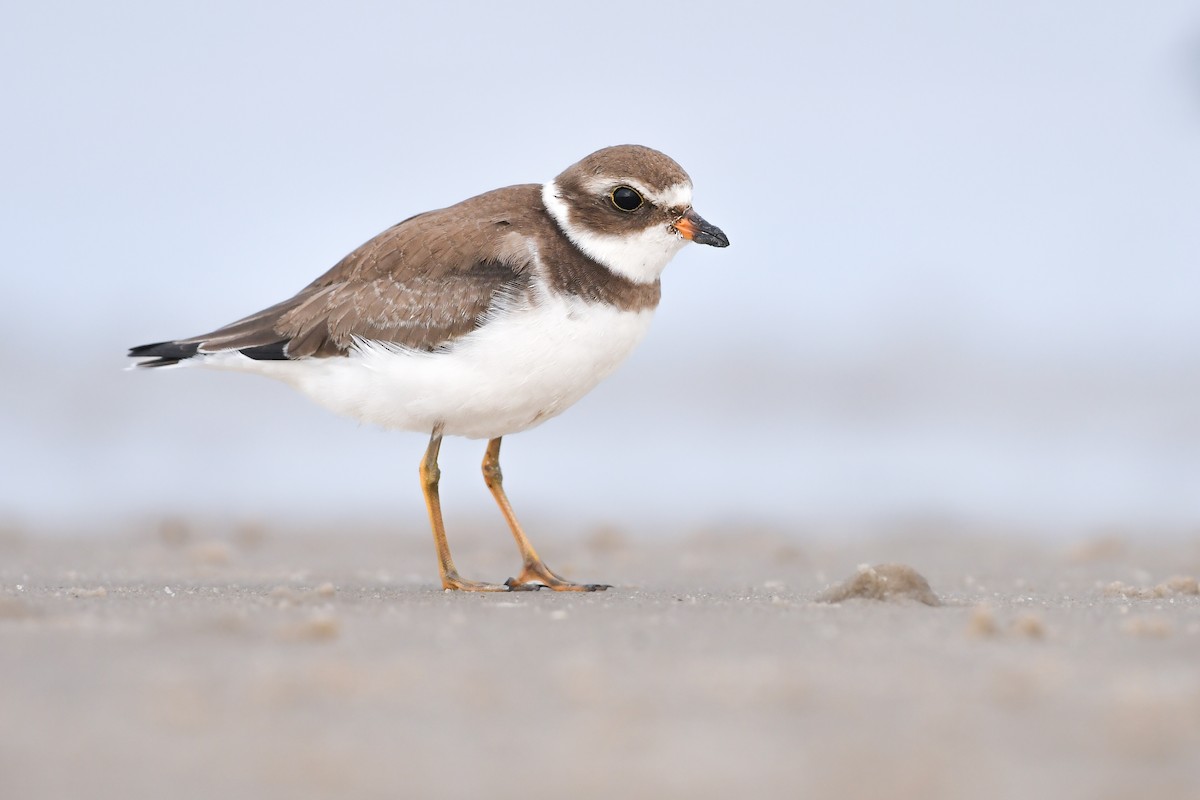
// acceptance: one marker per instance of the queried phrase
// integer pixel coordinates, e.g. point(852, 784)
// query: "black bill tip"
point(711, 235)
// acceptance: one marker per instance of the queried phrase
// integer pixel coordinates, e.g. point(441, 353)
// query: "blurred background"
point(963, 281)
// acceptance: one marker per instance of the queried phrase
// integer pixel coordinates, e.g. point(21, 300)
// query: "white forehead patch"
point(677, 196)
point(640, 257)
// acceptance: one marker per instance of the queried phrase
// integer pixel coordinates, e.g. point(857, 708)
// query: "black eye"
point(626, 199)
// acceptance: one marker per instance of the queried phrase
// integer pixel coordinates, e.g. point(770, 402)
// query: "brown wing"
point(419, 311)
point(420, 284)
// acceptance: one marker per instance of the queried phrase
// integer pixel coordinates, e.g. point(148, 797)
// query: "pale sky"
point(964, 274)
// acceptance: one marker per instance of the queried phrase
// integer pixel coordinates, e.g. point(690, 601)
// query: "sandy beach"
point(248, 662)
point(898, 495)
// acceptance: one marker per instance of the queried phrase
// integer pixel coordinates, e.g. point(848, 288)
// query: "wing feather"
point(420, 284)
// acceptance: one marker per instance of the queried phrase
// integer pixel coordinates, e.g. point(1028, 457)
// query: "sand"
point(196, 663)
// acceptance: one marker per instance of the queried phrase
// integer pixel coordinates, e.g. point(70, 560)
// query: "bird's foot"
point(539, 576)
point(453, 583)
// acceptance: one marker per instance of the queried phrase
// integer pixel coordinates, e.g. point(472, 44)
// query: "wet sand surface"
point(262, 664)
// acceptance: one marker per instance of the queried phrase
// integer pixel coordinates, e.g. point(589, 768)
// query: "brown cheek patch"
point(599, 215)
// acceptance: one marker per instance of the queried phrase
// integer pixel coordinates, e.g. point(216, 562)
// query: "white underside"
point(523, 367)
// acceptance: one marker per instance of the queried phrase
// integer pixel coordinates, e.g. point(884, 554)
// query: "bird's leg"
point(430, 474)
point(535, 572)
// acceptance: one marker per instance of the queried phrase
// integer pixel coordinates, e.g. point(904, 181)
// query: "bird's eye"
point(626, 199)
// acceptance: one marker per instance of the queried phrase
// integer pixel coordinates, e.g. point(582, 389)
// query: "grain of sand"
point(319, 665)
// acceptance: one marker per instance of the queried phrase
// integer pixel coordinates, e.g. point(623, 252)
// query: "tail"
point(253, 336)
point(164, 354)
point(168, 354)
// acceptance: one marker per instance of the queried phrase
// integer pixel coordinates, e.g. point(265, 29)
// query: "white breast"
point(522, 368)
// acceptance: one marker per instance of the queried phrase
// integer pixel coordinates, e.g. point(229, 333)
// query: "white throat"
point(640, 257)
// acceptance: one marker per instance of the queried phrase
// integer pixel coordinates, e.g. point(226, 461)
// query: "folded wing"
point(421, 284)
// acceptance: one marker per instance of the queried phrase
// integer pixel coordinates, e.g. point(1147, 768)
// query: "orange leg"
point(535, 573)
point(430, 474)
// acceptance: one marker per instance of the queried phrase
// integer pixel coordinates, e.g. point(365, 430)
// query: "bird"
point(480, 320)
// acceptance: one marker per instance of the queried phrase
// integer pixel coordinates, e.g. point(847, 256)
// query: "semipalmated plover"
point(480, 320)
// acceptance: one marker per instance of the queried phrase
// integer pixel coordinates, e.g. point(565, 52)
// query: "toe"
point(528, 586)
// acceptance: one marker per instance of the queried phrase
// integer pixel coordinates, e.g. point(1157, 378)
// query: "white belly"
point(511, 374)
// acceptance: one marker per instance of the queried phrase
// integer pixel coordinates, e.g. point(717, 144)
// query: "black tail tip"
point(163, 354)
